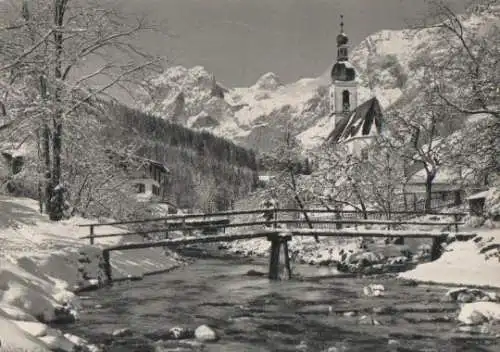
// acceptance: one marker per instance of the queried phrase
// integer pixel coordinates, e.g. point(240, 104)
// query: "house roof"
point(360, 122)
point(444, 175)
point(480, 195)
point(157, 164)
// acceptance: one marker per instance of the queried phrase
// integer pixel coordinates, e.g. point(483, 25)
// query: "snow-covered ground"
point(42, 263)
point(475, 262)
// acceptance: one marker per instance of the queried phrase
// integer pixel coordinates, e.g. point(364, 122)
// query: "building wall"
point(356, 145)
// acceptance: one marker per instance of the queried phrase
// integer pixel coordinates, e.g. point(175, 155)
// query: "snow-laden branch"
point(27, 52)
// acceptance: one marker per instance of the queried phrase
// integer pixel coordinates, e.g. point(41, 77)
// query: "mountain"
point(257, 116)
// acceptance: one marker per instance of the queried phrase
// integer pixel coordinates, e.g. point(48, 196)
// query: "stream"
point(316, 311)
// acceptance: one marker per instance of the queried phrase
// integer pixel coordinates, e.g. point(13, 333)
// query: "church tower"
point(344, 89)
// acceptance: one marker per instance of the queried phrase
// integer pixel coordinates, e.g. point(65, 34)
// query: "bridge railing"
point(220, 220)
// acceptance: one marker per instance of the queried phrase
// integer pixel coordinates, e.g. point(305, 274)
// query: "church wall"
point(356, 144)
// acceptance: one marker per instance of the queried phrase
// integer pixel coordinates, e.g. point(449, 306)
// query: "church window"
point(346, 105)
point(364, 154)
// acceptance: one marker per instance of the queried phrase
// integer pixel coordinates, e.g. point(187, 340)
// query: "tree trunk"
point(300, 203)
point(428, 192)
point(361, 202)
point(57, 192)
point(47, 165)
point(57, 200)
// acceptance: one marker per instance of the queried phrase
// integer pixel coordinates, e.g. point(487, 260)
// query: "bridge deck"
point(293, 232)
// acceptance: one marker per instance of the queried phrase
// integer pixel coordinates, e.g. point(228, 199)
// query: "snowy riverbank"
point(43, 263)
point(474, 263)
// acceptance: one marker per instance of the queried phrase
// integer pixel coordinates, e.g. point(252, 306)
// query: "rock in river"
point(122, 332)
point(205, 333)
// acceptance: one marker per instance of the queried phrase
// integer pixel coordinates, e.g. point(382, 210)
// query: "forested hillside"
point(206, 172)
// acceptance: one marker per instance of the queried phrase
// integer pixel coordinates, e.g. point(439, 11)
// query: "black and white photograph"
point(249, 175)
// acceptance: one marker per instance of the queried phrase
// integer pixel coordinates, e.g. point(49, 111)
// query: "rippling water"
point(253, 314)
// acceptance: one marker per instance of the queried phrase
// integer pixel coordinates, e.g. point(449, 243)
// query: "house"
point(13, 161)
point(147, 176)
point(13, 157)
point(149, 179)
point(354, 125)
point(477, 201)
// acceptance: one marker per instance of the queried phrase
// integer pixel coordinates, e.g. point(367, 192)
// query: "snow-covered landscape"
point(43, 264)
point(398, 141)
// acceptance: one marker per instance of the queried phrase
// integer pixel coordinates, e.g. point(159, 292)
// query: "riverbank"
point(43, 264)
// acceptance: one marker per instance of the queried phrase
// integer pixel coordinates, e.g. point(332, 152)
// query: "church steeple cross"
point(341, 23)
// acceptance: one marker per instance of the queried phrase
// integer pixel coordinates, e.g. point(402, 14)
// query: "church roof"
point(362, 119)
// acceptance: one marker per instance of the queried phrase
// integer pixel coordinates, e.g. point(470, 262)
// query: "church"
point(354, 125)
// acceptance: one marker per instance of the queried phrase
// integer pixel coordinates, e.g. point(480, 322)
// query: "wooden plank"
point(192, 240)
point(375, 233)
point(221, 222)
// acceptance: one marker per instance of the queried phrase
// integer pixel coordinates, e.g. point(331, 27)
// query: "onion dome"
point(343, 71)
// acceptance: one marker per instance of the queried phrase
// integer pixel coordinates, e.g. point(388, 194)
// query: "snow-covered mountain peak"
point(268, 81)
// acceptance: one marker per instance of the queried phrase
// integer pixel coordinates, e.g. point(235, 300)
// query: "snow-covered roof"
point(17, 150)
point(359, 123)
point(444, 175)
point(479, 195)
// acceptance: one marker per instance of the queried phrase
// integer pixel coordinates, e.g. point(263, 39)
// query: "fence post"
point(455, 217)
point(91, 234)
point(275, 211)
point(338, 217)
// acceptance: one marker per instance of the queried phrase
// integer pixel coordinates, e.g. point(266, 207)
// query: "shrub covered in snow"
point(492, 204)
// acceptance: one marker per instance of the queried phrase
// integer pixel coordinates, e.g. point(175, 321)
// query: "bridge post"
point(91, 234)
point(436, 249)
point(279, 242)
point(107, 265)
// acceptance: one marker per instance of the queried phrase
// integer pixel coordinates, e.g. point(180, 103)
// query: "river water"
point(316, 311)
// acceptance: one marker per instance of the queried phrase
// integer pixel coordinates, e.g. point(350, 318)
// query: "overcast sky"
point(239, 40)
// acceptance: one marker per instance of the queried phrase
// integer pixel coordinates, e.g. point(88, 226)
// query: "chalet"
point(149, 179)
point(147, 176)
point(13, 161)
point(477, 201)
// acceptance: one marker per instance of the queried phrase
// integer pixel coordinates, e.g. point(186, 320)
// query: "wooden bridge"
point(279, 230)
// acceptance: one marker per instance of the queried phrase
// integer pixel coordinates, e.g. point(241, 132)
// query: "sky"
point(239, 40)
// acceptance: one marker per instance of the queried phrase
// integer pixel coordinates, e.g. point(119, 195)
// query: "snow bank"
point(475, 262)
point(14, 338)
point(42, 263)
point(302, 249)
